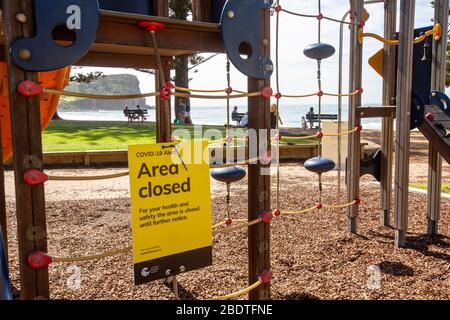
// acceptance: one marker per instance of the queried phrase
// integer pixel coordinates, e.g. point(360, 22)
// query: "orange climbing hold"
point(53, 79)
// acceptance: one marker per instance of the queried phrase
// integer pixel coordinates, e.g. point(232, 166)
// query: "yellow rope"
point(246, 162)
point(239, 227)
point(88, 178)
point(200, 96)
point(93, 257)
point(340, 134)
point(340, 206)
point(300, 212)
point(341, 94)
point(436, 32)
point(197, 90)
point(241, 292)
point(300, 96)
point(98, 96)
point(215, 226)
point(298, 138)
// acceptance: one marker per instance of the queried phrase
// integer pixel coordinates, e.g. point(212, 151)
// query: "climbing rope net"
point(318, 51)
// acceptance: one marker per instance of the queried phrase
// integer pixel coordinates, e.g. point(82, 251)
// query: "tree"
point(180, 9)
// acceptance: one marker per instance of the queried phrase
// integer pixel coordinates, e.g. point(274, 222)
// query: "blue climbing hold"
point(319, 51)
point(229, 174)
point(319, 165)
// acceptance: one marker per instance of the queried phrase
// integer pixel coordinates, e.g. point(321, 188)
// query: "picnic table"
point(137, 114)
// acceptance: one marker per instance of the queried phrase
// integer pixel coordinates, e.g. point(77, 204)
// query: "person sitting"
point(303, 123)
point(244, 121)
point(235, 112)
point(126, 113)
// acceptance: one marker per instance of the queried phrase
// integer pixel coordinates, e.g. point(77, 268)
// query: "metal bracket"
point(442, 100)
point(417, 110)
point(372, 166)
point(64, 32)
point(241, 32)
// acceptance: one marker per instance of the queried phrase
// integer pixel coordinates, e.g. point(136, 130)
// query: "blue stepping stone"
point(319, 51)
point(319, 165)
point(228, 174)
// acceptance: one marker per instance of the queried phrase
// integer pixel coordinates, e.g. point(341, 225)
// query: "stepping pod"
point(319, 165)
point(319, 51)
point(229, 174)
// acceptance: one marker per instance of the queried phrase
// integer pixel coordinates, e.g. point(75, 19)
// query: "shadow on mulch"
point(396, 269)
point(183, 293)
point(299, 296)
point(421, 243)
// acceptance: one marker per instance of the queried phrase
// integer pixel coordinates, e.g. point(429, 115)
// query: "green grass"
point(445, 186)
point(96, 135)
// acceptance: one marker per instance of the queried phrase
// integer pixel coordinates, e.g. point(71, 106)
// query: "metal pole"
point(438, 83)
point(402, 143)
point(387, 124)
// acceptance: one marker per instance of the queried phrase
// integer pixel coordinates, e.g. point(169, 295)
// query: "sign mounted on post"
point(171, 209)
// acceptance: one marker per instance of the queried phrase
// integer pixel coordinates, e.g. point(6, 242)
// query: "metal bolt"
point(268, 67)
point(265, 42)
point(230, 14)
point(182, 269)
point(168, 272)
point(25, 54)
point(21, 17)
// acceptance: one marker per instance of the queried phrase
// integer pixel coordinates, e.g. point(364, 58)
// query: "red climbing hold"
point(267, 92)
point(34, 177)
point(266, 276)
point(319, 16)
point(267, 217)
point(278, 95)
point(28, 88)
point(39, 259)
point(169, 85)
point(360, 90)
point(358, 201)
point(361, 24)
point(229, 90)
point(151, 25)
point(429, 116)
point(228, 221)
point(359, 128)
point(319, 135)
point(278, 8)
point(319, 206)
point(165, 94)
point(320, 93)
point(277, 213)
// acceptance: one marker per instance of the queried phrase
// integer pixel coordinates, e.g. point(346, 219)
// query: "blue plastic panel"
point(48, 55)
point(5, 286)
point(241, 28)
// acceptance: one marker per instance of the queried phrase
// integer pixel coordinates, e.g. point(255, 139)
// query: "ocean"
point(207, 115)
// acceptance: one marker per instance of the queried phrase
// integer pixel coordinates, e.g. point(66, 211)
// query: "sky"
point(297, 72)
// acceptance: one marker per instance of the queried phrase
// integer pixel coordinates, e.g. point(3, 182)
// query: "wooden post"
point(387, 126)
point(402, 143)
point(354, 141)
point(27, 148)
point(201, 10)
point(258, 180)
point(163, 109)
point(437, 83)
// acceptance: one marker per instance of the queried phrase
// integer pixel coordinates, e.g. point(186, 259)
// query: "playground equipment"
point(48, 103)
point(247, 42)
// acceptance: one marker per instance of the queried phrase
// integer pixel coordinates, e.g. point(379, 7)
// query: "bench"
point(312, 117)
point(237, 116)
point(136, 114)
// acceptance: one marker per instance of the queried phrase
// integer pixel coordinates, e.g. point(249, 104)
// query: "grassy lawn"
point(445, 186)
point(96, 135)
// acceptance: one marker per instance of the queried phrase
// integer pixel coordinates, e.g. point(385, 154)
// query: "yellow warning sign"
point(171, 209)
